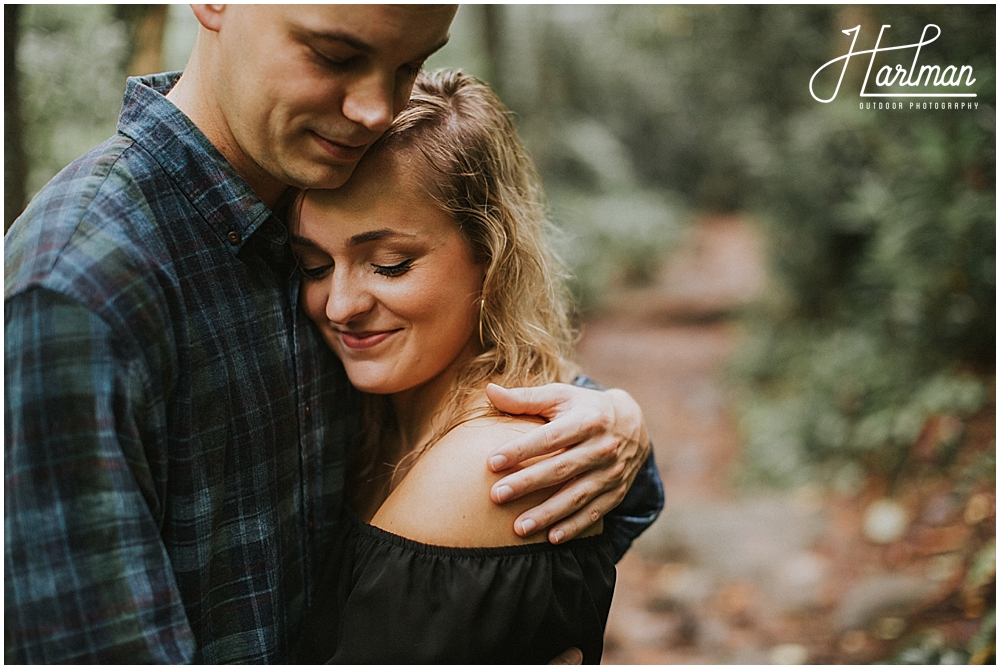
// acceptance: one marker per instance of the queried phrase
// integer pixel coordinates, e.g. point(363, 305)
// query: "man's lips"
point(341, 152)
point(364, 340)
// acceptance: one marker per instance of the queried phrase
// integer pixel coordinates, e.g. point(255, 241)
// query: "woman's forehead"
point(388, 188)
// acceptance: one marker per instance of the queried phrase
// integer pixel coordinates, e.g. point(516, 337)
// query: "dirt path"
point(666, 346)
point(672, 371)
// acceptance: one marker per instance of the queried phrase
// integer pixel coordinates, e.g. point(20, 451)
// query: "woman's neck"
point(420, 415)
point(420, 411)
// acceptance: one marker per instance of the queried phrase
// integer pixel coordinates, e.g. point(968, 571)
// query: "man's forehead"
point(369, 23)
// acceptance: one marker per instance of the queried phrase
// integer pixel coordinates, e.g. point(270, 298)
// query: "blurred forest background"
point(860, 368)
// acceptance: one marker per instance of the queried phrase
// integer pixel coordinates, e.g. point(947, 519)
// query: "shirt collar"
point(217, 191)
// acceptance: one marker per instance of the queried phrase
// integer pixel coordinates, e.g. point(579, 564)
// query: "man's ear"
point(209, 16)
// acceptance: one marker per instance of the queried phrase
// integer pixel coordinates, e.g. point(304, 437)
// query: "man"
point(175, 428)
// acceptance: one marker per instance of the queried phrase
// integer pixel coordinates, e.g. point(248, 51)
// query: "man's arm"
point(641, 506)
point(86, 574)
point(606, 450)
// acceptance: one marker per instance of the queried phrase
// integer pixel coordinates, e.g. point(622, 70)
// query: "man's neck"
point(191, 98)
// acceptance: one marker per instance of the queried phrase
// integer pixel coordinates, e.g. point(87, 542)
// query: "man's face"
point(303, 90)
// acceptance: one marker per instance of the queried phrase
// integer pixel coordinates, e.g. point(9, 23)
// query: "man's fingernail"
point(558, 536)
point(498, 462)
point(504, 492)
point(527, 526)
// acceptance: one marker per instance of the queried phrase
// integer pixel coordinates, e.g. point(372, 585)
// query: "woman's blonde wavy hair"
point(479, 173)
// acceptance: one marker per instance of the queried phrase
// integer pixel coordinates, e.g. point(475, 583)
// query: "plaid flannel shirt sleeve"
point(86, 575)
point(642, 503)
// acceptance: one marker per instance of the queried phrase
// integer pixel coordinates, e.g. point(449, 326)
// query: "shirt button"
point(234, 237)
point(270, 228)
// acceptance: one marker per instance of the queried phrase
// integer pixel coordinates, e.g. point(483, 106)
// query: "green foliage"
point(930, 647)
point(72, 62)
point(72, 73)
point(616, 239)
point(983, 647)
point(882, 227)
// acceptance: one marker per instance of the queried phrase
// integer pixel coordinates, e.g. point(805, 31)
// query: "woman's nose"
point(348, 299)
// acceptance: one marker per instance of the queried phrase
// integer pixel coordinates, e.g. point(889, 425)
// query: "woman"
point(429, 276)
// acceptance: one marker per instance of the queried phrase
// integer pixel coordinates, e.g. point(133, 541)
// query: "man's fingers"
point(569, 656)
point(556, 470)
point(534, 401)
point(544, 439)
point(576, 507)
point(601, 436)
point(585, 517)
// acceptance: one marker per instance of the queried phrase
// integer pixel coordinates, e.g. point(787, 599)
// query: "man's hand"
point(569, 656)
point(604, 437)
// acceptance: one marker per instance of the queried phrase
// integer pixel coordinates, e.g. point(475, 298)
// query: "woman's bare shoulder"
point(445, 499)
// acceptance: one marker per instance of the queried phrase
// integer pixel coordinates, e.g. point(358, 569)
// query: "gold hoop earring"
point(482, 306)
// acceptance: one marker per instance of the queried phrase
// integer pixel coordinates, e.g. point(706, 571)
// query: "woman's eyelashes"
point(315, 272)
point(320, 271)
point(393, 270)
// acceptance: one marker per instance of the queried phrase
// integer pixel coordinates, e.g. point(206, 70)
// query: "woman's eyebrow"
point(376, 235)
point(302, 241)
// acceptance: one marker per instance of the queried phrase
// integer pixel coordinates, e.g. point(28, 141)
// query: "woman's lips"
point(363, 340)
point(341, 152)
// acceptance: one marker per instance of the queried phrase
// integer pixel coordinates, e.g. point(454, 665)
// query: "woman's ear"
point(209, 16)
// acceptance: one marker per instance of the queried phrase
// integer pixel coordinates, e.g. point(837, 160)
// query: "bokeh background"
point(800, 295)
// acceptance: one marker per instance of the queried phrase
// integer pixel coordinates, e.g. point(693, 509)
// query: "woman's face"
point(388, 278)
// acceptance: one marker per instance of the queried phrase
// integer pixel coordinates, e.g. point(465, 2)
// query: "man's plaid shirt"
point(175, 430)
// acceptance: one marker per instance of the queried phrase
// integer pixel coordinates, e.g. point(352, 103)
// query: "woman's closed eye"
point(320, 271)
point(393, 270)
point(313, 272)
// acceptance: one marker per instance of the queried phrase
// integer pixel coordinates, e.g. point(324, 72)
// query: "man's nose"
point(370, 101)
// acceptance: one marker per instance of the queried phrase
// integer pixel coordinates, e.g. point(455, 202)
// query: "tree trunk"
point(146, 25)
point(493, 45)
point(15, 160)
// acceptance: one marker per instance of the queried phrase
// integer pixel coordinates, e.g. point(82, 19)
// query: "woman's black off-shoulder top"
point(385, 599)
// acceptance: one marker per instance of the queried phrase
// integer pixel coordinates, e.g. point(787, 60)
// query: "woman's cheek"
point(314, 302)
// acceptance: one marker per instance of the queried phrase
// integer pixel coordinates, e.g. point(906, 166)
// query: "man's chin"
point(326, 178)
